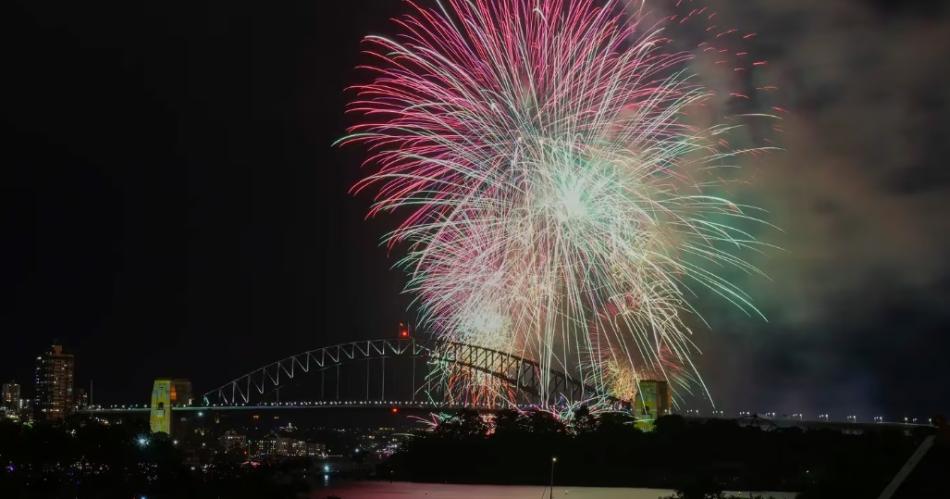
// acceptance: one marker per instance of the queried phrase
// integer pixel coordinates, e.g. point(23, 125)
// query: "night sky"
point(173, 206)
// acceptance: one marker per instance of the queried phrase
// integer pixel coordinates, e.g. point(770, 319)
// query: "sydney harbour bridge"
point(523, 377)
point(392, 373)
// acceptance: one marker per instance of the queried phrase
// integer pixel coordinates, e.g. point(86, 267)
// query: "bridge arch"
point(522, 375)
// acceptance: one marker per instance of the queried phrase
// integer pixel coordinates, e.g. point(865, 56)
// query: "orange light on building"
point(394, 410)
point(403, 330)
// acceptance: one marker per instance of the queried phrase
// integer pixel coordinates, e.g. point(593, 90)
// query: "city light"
point(568, 192)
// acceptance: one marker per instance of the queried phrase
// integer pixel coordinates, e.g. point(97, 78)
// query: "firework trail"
point(556, 194)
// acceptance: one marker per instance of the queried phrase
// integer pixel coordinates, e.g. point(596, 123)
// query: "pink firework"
point(554, 184)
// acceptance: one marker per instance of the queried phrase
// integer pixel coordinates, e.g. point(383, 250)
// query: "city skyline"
point(192, 208)
point(660, 249)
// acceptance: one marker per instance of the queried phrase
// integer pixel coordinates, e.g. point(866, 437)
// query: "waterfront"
point(403, 490)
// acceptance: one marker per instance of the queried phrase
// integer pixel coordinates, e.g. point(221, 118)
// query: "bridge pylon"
point(167, 393)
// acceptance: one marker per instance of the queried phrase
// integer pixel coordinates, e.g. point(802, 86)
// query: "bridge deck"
point(352, 404)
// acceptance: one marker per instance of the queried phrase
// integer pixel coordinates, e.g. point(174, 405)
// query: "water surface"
point(403, 490)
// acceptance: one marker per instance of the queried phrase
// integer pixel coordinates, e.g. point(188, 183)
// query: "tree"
point(544, 423)
point(464, 425)
point(509, 422)
point(670, 425)
point(584, 421)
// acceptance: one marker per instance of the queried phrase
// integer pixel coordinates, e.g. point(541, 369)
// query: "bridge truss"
point(523, 377)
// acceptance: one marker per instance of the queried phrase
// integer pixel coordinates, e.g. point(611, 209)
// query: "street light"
point(553, 462)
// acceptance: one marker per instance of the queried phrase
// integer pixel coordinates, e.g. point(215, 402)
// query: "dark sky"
point(173, 206)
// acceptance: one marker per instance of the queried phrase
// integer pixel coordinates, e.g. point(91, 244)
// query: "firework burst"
point(556, 194)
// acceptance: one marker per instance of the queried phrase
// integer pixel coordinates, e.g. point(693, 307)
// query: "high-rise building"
point(26, 410)
point(10, 401)
point(53, 384)
point(80, 399)
point(11, 396)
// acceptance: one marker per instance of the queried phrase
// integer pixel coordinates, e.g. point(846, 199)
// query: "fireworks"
point(555, 190)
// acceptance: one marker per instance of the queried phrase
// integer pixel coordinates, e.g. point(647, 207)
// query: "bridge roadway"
point(278, 406)
point(520, 373)
point(408, 405)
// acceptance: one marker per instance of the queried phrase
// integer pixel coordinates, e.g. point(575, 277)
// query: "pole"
point(551, 485)
point(908, 468)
